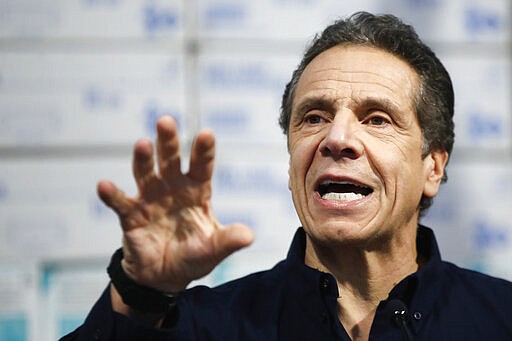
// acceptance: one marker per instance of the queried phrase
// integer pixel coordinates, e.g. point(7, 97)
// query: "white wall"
point(81, 80)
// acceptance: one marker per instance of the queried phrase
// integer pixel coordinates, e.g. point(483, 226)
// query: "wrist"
point(140, 298)
point(167, 288)
point(154, 320)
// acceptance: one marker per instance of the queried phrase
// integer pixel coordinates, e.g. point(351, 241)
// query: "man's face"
point(356, 167)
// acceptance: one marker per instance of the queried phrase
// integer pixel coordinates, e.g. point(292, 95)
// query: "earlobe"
point(436, 162)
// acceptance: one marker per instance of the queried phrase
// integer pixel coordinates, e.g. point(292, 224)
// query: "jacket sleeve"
point(103, 323)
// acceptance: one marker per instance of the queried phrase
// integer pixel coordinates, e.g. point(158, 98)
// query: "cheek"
point(396, 163)
point(302, 153)
point(409, 177)
point(296, 172)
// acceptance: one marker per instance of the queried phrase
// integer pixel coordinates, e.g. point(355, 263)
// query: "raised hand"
point(170, 235)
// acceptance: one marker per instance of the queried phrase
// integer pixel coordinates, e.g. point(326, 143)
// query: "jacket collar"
point(417, 290)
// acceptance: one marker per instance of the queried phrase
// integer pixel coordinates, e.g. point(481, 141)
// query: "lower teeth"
point(342, 196)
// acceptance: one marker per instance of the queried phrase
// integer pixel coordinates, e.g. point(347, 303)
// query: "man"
point(368, 116)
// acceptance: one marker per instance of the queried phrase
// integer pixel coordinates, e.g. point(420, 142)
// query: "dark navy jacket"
point(295, 302)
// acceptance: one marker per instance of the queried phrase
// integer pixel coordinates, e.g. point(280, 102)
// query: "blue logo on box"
point(159, 19)
point(233, 120)
point(92, 3)
point(224, 15)
point(423, 3)
point(242, 76)
point(482, 126)
point(255, 180)
point(482, 21)
point(96, 98)
point(489, 236)
point(153, 112)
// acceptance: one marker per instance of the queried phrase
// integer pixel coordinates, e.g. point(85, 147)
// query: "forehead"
point(355, 72)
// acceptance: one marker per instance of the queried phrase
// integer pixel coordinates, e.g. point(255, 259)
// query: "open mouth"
point(342, 191)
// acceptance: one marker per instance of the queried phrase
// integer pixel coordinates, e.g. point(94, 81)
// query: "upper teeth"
point(342, 196)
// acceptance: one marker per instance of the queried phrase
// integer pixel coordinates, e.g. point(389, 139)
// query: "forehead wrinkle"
point(336, 94)
point(338, 79)
point(351, 74)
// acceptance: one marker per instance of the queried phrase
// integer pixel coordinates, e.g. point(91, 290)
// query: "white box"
point(69, 292)
point(96, 19)
point(251, 186)
point(18, 300)
point(79, 99)
point(482, 101)
point(471, 216)
point(457, 20)
point(49, 208)
point(435, 20)
point(240, 95)
point(273, 19)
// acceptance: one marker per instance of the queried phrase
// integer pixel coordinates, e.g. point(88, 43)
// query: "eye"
point(377, 121)
point(313, 119)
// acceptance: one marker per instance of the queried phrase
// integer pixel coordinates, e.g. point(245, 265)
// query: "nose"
point(341, 139)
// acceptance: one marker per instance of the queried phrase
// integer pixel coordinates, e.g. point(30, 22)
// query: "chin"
point(338, 234)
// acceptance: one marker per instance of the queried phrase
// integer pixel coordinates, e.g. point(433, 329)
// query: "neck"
point(365, 275)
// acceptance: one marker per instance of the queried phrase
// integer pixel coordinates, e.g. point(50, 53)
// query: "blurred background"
point(82, 80)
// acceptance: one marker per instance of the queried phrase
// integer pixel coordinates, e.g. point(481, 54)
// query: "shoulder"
point(472, 276)
point(255, 288)
point(471, 306)
point(246, 306)
point(476, 285)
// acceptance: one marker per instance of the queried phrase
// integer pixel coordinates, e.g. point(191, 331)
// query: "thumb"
point(231, 238)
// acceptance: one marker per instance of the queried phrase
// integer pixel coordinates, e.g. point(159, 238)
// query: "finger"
point(168, 149)
point(143, 164)
point(125, 207)
point(114, 198)
point(202, 156)
point(232, 238)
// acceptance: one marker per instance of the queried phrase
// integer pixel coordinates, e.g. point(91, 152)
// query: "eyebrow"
point(315, 102)
point(379, 102)
point(328, 104)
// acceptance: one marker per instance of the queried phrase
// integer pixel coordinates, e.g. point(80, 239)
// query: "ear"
point(435, 163)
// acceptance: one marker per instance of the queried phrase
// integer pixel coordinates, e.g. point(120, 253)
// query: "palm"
point(170, 234)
